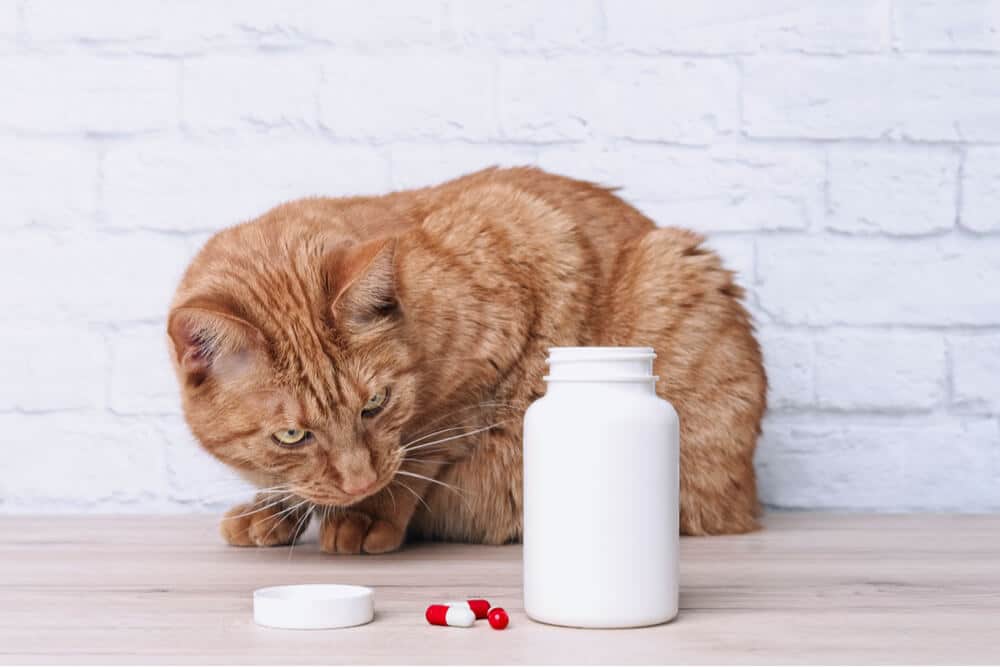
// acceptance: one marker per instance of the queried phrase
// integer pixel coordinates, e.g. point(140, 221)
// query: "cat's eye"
point(291, 437)
point(375, 403)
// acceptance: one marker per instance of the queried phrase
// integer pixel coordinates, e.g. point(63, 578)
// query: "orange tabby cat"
point(367, 360)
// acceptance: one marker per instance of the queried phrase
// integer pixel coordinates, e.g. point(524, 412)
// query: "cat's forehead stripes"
point(288, 301)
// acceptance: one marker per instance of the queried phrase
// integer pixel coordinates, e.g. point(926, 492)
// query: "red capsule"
point(456, 616)
point(498, 618)
point(478, 606)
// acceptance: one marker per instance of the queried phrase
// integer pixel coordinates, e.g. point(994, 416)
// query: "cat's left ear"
point(362, 282)
point(210, 341)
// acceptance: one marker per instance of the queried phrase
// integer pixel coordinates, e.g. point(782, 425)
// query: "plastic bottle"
point(601, 458)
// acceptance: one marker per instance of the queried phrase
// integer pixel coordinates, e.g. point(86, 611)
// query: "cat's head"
point(293, 360)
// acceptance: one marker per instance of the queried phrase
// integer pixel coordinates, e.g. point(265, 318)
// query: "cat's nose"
point(359, 485)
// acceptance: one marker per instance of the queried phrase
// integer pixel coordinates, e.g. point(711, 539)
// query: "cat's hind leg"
point(673, 294)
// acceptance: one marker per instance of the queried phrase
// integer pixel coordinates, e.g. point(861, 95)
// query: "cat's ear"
point(362, 282)
point(208, 340)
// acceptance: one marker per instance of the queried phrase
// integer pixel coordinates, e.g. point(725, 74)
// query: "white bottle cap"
point(313, 606)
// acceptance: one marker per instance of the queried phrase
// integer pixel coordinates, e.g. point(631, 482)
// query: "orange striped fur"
point(448, 297)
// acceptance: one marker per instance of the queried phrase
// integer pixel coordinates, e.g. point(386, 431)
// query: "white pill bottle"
point(601, 460)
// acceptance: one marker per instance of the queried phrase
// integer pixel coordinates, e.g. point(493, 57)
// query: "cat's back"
point(593, 208)
point(541, 215)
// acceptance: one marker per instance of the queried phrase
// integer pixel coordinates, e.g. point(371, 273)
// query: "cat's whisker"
point(407, 450)
point(458, 492)
point(279, 518)
point(419, 460)
point(415, 494)
point(392, 495)
point(483, 404)
point(445, 448)
point(242, 492)
point(432, 480)
point(275, 490)
point(455, 437)
point(299, 526)
point(256, 509)
point(431, 435)
point(290, 509)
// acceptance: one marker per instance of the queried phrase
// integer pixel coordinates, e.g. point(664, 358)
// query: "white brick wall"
point(843, 157)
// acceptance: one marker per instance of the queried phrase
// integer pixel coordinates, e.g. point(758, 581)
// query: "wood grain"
point(809, 588)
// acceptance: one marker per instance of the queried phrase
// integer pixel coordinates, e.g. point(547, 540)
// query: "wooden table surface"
point(808, 588)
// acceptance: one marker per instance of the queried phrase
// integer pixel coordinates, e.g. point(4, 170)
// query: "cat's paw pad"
point(352, 532)
point(254, 525)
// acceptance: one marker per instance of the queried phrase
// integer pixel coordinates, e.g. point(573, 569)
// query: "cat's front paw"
point(354, 532)
point(258, 524)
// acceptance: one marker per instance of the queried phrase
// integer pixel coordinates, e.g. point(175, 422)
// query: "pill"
point(498, 618)
point(479, 607)
point(459, 615)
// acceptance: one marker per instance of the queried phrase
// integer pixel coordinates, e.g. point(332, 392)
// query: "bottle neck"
point(581, 369)
point(578, 388)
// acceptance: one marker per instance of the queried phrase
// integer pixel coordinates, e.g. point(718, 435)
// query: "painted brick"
point(789, 362)
point(8, 21)
point(872, 98)
point(150, 26)
point(170, 185)
point(192, 27)
point(194, 477)
point(892, 371)
point(839, 465)
point(975, 367)
point(541, 100)
point(545, 102)
point(953, 467)
point(234, 90)
point(868, 281)
point(85, 94)
point(845, 463)
point(639, 100)
point(381, 25)
point(721, 189)
point(904, 191)
point(430, 96)
point(948, 25)
point(525, 25)
point(817, 145)
point(421, 165)
point(142, 379)
point(981, 190)
point(27, 163)
point(47, 368)
point(100, 459)
point(100, 278)
point(746, 26)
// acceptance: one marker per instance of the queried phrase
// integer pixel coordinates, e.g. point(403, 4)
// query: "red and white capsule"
point(479, 607)
point(457, 615)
